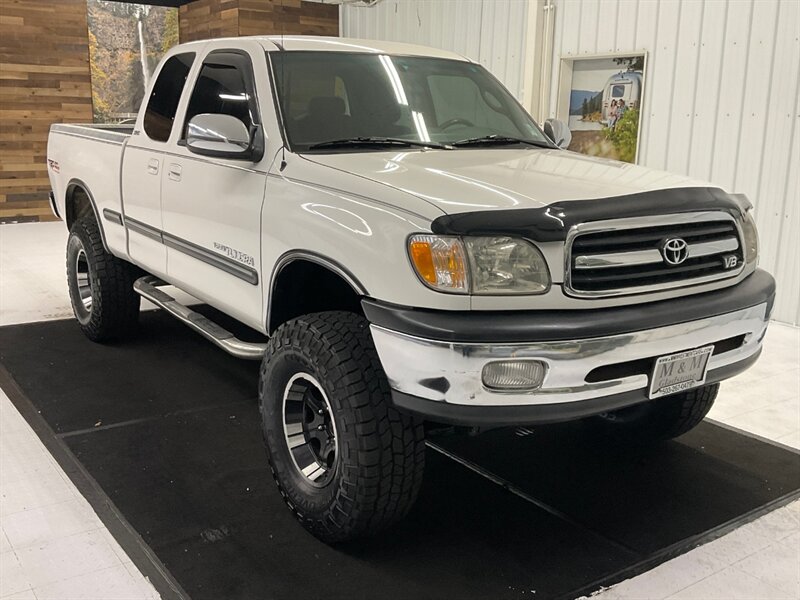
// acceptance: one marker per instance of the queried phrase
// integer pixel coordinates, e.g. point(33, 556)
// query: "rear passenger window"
point(163, 103)
point(222, 88)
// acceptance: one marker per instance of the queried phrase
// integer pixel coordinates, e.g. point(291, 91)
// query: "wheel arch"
point(304, 281)
point(79, 201)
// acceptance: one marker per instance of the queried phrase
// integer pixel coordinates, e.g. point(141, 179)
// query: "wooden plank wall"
point(45, 75)
point(44, 79)
point(206, 19)
point(220, 18)
point(270, 17)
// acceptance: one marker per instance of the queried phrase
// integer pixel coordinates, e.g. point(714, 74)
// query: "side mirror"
point(220, 136)
point(559, 132)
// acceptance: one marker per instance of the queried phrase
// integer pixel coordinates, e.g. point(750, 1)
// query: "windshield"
point(333, 96)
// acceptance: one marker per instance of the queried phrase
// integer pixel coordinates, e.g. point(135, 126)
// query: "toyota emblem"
point(675, 251)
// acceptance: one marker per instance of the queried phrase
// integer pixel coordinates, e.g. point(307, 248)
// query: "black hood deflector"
point(551, 223)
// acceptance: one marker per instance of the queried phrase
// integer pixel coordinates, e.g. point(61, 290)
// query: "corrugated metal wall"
point(491, 32)
point(722, 102)
point(722, 95)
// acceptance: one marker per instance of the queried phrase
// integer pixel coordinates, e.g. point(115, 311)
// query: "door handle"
point(152, 166)
point(175, 172)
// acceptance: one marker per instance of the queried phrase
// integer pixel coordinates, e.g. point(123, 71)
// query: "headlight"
point(504, 265)
point(750, 241)
point(479, 265)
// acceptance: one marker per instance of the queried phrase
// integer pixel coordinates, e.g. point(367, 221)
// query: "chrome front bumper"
point(450, 372)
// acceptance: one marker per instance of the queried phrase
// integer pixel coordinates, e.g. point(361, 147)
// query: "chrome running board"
point(147, 288)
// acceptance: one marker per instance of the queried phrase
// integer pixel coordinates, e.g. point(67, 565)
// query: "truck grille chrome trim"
point(652, 256)
point(639, 255)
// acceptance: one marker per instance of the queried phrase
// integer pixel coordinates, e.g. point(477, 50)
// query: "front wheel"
point(346, 462)
point(662, 418)
point(100, 285)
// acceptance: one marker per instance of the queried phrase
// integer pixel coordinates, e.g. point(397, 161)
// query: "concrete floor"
point(52, 544)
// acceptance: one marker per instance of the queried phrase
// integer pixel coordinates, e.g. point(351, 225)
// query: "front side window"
point(159, 115)
point(222, 88)
point(327, 96)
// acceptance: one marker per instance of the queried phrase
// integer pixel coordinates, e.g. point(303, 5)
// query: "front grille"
point(631, 260)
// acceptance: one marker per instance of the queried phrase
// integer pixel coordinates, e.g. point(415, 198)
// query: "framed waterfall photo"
point(600, 97)
point(126, 41)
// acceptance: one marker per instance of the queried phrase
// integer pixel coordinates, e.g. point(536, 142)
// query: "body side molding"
point(144, 229)
point(230, 266)
point(112, 215)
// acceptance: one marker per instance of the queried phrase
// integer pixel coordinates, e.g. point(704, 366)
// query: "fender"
point(77, 183)
point(291, 256)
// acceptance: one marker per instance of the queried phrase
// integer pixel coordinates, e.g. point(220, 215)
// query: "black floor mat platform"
point(162, 436)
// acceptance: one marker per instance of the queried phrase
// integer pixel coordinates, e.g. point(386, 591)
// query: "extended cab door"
point(212, 206)
point(143, 164)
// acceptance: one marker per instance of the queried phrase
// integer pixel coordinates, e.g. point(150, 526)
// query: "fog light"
point(514, 375)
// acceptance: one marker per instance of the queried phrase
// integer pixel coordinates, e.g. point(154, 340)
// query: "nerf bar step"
point(147, 288)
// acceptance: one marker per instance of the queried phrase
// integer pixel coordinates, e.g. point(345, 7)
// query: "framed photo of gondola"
point(600, 98)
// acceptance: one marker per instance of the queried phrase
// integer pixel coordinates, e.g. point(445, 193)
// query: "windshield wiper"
point(375, 141)
point(498, 140)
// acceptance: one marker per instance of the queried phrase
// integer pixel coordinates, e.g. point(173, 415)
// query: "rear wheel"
point(346, 462)
point(662, 418)
point(100, 285)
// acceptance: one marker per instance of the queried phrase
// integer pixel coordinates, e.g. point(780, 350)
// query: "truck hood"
point(459, 181)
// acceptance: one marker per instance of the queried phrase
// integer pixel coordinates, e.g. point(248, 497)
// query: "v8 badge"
point(730, 261)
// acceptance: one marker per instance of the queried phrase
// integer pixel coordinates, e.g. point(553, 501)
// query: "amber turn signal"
point(440, 261)
point(422, 257)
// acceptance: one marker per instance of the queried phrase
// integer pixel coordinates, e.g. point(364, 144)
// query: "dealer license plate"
point(678, 372)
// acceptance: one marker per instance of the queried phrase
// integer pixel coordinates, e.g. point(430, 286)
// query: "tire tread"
point(390, 450)
point(663, 418)
point(115, 304)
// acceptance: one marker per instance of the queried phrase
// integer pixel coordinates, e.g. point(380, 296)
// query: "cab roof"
point(294, 43)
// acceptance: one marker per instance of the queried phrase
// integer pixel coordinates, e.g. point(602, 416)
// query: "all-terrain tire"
point(100, 285)
point(663, 418)
point(380, 452)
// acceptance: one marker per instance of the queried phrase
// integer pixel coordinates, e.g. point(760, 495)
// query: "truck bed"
point(90, 156)
point(99, 131)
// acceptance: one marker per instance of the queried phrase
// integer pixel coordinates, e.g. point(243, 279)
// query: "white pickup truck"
point(414, 250)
